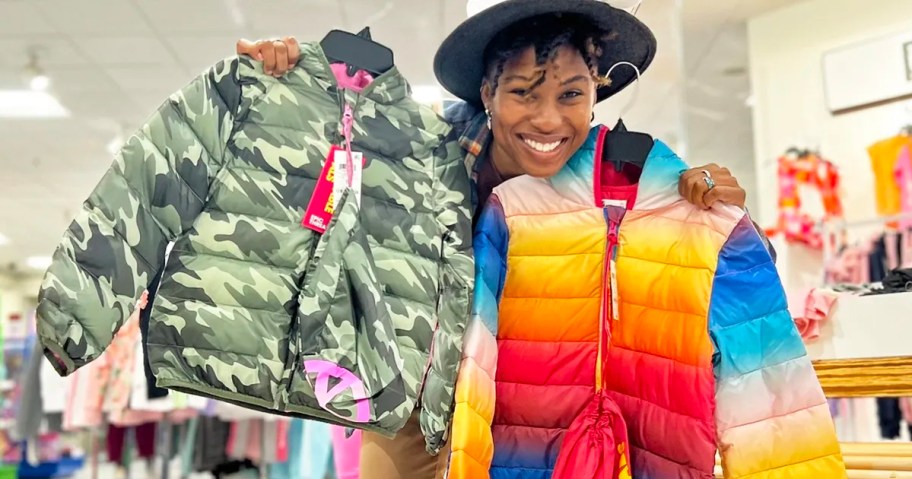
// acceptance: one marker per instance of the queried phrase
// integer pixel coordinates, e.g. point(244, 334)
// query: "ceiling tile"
point(22, 18)
point(50, 50)
point(197, 17)
point(95, 17)
point(197, 53)
point(293, 17)
point(80, 79)
point(112, 104)
point(148, 102)
point(125, 50)
point(162, 80)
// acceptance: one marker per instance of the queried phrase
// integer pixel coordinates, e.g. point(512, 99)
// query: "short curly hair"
point(546, 34)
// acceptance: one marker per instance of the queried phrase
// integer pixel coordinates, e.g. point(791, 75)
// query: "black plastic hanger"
point(622, 146)
point(358, 52)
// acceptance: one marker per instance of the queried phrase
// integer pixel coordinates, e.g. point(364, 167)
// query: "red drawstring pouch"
point(595, 446)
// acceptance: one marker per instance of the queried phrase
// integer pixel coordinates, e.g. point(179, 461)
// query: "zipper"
point(608, 309)
point(348, 121)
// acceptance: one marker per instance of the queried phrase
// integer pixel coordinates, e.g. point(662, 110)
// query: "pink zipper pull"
point(348, 121)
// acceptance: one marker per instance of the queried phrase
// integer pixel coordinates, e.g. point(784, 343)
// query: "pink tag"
point(320, 209)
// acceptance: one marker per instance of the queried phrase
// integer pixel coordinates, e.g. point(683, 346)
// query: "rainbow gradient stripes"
point(472, 446)
point(703, 356)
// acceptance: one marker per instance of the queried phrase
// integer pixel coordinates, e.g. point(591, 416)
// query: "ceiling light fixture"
point(3, 240)
point(38, 262)
point(36, 77)
point(30, 104)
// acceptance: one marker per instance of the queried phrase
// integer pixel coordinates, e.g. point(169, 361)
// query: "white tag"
point(614, 292)
point(341, 174)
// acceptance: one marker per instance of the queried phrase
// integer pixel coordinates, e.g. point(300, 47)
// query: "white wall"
point(785, 50)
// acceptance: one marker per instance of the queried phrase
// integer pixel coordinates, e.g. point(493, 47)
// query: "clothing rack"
point(833, 226)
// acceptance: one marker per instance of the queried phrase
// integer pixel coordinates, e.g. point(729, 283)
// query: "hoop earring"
point(488, 114)
point(592, 120)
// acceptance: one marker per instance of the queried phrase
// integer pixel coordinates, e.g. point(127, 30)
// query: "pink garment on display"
point(797, 300)
point(89, 387)
point(356, 83)
point(819, 303)
point(891, 243)
point(903, 174)
point(809, 309)
point(121, 357)
point(905, 405)
point(905, 248)
point(133, 418)
point(282, 427)
point(180, 416)
point(85, 394)
point(255, 442)
point(346, 453)
point(851, 267)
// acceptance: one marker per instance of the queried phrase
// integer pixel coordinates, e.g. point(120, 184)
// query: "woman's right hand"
point(279, 56)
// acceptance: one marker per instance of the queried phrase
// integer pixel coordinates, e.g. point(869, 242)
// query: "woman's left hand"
point(694, 187)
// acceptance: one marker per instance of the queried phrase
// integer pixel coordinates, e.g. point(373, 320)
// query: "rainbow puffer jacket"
point(703, 355)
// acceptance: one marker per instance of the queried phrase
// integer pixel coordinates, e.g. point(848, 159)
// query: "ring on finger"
point(710, 183)
point(708, 179)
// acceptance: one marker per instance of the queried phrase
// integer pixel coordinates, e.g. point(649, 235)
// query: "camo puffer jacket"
point(357, 326)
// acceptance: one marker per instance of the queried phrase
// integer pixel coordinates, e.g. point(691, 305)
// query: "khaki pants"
point(401, 458)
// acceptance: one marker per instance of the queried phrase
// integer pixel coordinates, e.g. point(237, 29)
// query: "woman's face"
point(537, 129)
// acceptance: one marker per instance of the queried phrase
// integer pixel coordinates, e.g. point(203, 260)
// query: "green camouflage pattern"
point(224, 170)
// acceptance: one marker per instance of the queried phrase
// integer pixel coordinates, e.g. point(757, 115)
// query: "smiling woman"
point(538, 93)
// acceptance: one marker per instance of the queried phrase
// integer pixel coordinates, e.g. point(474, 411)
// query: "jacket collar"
point(388, 88)
point(657, 188)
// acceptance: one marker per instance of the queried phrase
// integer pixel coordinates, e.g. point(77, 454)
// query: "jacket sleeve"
point(151, 194)
point(456, 278)
point(772, 419)
point(472, 445)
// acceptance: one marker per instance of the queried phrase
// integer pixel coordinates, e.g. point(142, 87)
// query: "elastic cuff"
point(59, 359)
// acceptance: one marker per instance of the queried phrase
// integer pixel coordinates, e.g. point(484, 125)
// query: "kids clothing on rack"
point(903, 175)
point(144, 439)
point(309, 452)
point(885, 163)
point(795, 173)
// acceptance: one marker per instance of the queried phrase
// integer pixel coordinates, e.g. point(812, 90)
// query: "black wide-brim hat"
point(459, 62)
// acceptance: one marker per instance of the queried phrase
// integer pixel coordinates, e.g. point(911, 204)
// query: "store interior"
point(807, 102)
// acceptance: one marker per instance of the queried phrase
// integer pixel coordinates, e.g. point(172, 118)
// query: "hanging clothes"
point(890, 417)
point(903, 174)
point(310, 452)
point(143, 434)
point(346, 453)
point(884, 157)
point(152, 391)
point(209, 450)
point(228, 165)
point(29, 412)
point(795, 173)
